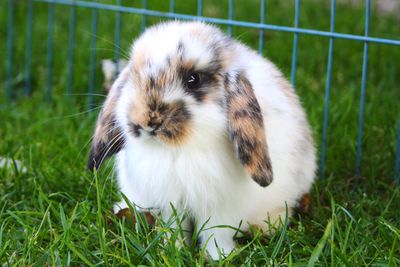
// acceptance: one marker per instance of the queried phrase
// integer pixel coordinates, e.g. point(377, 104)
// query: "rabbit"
point(109, 68)
point(200, 122)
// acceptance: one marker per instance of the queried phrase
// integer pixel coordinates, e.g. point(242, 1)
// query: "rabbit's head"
point(175, 68)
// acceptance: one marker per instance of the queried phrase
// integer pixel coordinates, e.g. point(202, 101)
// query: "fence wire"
point(230, 22)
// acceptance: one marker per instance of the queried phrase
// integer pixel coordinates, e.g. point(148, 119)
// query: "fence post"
point(295, 43)
point(10, 37)
point(327, 93)
point(71, 41)
point(144, 17)
point(92, 59)
point(117, 39)
point(28, 49)
point(50, 28)
point(199, 8)
point(397, 159)
point(230, 16)
point(261, 32)
point(362, 98)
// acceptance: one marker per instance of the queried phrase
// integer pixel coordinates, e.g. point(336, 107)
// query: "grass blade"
point(320, 245)
point(77, 253)
point(282, 235)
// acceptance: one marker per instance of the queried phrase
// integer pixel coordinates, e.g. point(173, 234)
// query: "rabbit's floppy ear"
point(108, 137)
point(246, 127)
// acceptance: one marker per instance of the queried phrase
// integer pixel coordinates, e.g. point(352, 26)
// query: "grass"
point(57, 213)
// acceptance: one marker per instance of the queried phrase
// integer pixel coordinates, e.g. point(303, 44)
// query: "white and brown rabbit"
point(200, 121)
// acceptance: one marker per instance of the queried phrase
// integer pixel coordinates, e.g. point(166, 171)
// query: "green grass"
point(59, 214)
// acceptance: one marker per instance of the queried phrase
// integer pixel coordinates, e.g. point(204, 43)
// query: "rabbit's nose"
point(155, 120)
point(154, 124)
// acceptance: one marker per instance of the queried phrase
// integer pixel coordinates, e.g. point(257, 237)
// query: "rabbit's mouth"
point(170, 125)
point(139, 131)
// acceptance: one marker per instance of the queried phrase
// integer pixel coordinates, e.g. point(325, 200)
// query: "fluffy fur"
point(235, 150)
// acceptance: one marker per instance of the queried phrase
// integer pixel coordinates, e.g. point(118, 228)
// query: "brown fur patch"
point(304, 204)
point(247, 129)
point(130, 217)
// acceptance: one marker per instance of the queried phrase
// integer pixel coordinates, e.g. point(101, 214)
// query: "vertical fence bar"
point(10, 37)
point(327, 93)
point(261, 32)
point(92, 58)
point(199, 7)
point(50, 51)
point(172, 6)
point(71, 41)
point(362, 98)
point(295, 43)
point(397, 160)
point(230, 16)
point(28, 49)
point(117, 39)
point(144, 17)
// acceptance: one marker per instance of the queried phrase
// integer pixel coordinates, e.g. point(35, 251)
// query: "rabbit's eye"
point(193, 81)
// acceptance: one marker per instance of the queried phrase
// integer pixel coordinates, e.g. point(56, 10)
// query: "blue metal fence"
point(230, 22)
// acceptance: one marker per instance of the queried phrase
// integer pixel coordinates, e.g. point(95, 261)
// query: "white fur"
point(203, 177)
